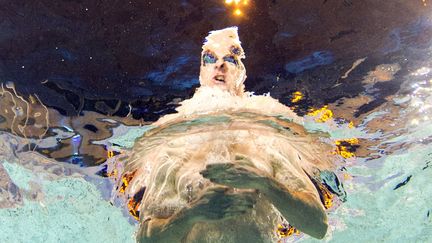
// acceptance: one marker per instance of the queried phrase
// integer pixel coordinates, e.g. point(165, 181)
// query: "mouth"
point(219, 79)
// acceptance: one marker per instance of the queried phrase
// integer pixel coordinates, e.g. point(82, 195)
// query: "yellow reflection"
point(110, 153)
point(133, 207)
point(113, 173)
point(125, 181)
point(327, 196)
point(322, 115)
point(284, 230)
point(346, 147)
point(296, 97)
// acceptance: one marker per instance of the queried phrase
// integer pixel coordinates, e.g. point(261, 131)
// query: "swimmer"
point(221, 65)
point(225, 163)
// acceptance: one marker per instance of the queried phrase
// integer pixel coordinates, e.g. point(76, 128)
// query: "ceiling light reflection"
point(237, 5)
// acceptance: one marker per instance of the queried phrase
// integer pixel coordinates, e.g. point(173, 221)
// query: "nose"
point(221, 66)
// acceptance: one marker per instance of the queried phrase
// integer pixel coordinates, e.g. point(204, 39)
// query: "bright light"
point(237, 4)
point(421, 71)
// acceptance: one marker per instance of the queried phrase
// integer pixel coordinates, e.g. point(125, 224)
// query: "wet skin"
point(296, 207)
point(217, 204)
point(219, 67)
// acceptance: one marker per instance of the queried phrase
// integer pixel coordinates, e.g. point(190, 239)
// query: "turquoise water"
point(71, 210)
point(377, 212)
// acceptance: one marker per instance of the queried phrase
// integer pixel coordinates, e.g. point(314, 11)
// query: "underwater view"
point(216, 121)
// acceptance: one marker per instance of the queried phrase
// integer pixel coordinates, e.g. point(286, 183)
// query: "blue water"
point(380, 207)
point(72, 209)
point(318, 58)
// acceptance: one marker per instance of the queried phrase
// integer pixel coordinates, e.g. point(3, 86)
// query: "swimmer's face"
point(220, 66)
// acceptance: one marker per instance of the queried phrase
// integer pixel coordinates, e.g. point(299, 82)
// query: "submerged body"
point(229, 166)
point(233, 162)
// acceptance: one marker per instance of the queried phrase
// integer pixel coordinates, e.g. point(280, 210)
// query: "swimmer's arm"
point(162, 230)
point(301, 209)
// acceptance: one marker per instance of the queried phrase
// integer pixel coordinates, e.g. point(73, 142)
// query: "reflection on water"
point(67, 139)
point(381, 185)
point(46, 201)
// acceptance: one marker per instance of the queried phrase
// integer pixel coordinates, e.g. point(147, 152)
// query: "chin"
point(221, 86)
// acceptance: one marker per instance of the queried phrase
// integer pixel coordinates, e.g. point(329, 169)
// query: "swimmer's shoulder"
point(271, 106)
